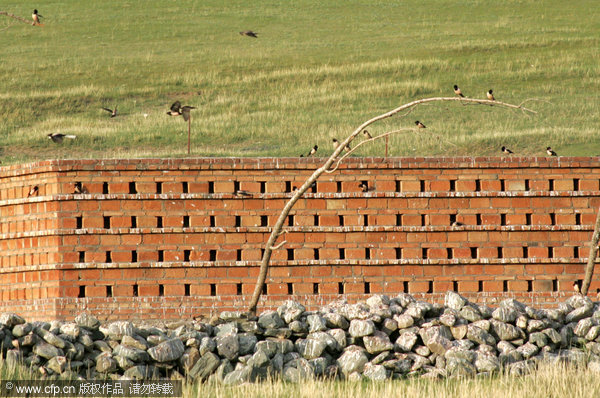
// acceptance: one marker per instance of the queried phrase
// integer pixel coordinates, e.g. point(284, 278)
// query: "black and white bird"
point(59, 137)
point(420, 125)
point(367, 135)
point(242, 193)
point(457, 224)
point(36, 17)
point(364, 186)
point(178, 110)
point(457, 91)
point(313, 150)
point(249, 33)
point(113, 112)
point(506, 150)
point(490, 96)
point(79, 188)
point(550, 152)
point(33, 191)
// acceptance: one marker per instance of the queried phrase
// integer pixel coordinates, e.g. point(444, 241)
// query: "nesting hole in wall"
point(530, 286)
point(455, 286)
point(236, 186)
point(528, 219)
point(263, 186)
point(477, 185)
point(473, 252)
point(555, 285)
point(290, 254)
point(185, 187)
point(82, 257)
point(398, 220)
point(398, 186)
point(316, 220)
point(505, 285)
point(367, 253)
point(500, 252)
point(341, 221)
point(367, 287)
point(577, 218)
point(132, 188)
point(576, 252)
point(105, 188)
point(552, 219)
point(106, 222)
point(340, 287)
point(315, 288)
point(290, 221)
point(186, 222)
point(161, 256)
point(550, 252)
point(449, 253)
point(480, 286)
point(525, 252)
point(365, 220)
point(452, 186)
point(424, 253)
point(238, 255)
point(134, 256)
point(159, 187)
point(429, 286)
point(238, 221)
point(288, 186)
point(264, 289)
point(108, 258)
point(186, 255)
point(133, 222)
point(422, 185)
point(527, 188)
point(405, 287)
point(342, 253)
point(423, 220)
point(211, 187)
point(503, 219)
point(212, 255)
point(81, 293)
point(502, 185)
point(239, 289)
point(212, 222)
point(398, 253)
point(161, 290)
point(478, 219)
point(186, 289)
point(316, 254)
point(79, 222)
point(452, 218)
point(135, 290)
point(213, 289)
point(159, 222)
point(338, 186)
point(551, 185)
point(290, 288)
point(109, 291)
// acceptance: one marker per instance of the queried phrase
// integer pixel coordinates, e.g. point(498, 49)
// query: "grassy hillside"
point(317, 70)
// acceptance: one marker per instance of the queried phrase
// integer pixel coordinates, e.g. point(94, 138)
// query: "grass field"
point(317, 70)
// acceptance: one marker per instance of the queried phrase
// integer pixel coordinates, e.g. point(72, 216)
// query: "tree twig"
point(8, 14)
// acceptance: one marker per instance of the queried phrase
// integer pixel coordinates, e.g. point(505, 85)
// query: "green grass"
point(317, 71)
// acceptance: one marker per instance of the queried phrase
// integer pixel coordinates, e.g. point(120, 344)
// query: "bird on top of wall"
point(36, 17)
point(506, 150)
point(550, 152)
point(313, 150)
point(420, 125)
point(457, 91)
point(249, 33)
point(59, 137)
point(490, 96)
point(33, 191)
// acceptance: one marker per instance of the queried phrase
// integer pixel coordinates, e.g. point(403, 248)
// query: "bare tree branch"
point(589, 269)
point(264, 266)
point(8, 14)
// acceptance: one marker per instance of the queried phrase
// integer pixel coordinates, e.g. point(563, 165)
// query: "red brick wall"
point(162, 238)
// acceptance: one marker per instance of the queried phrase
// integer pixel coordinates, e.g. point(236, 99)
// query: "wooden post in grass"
point(589, 269)
point(189, 134)
point(278, 230)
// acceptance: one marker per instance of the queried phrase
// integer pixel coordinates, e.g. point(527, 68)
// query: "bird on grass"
point(367, 135)
point(249, 33)
point(490, 96)
point(113, 112)
point(178, 110)
point(550, 152)
point(59, 137)
point(36, 17)
point(33, 191)
point(313, 150)
point(457, 91)
point(506, 150)
point(420, 125)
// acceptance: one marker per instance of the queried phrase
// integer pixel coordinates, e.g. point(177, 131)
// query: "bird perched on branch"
point(506, 150)
point(113, 112)
point(313, 150)
point(457, 91)
point(249, 33)
point(367, 135)
point(177, 110)
point(550, 152)
point(420, 125)
point(33, 191)
point(36, 17)
point(490, 96)
point(58, 137)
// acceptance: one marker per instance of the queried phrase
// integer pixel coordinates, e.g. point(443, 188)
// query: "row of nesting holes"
point(289, 187)
point(316, 289)
point(341, 254)
point(264, 220)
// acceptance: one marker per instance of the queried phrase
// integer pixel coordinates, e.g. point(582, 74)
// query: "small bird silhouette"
point(36, 17)
point(313, 150)
point(490, 96)
point(175, 109)
point(335, 143)
point(420, 125)
point(242, 193)
point(457, 91)
point(506, 150)
point(33, 191)
point(576, 287)
point(113, 112)
point(249, 33)
point(79, 188)
point(364, 186)
point(550, 152)
point(367, 135)
point(58, 137)
point(457, 224)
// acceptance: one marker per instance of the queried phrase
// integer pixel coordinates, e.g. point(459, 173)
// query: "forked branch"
point(276, 231)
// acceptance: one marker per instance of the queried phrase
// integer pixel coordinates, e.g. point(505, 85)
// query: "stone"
point(470, 313)
point(105, 363)
point(316, 323)
point(389, 326)
point(505, 331)
point(339, 336)
point(204, 367)
point(132, 353)
point(135, 342)
point(353, 359)
point(207, 344)
point(247, 343)
point(528, 350)
point(290, 311)
point(58, 364)
point(166, 351)
point(539, 339)
point(46, 350)
point(505, 314)
point(10, 319)
point(458, 367)
point(583, 326)
point(270, 320)
point(460, 353)
point(404, 321)
point(298, 327)
point(580, 313)
point(405, 342)
point(480, 336)
point(21, 329)
point(454, 300)
point(377, 343)
point(335, 320)
point(361, 328)
point(228, 346)
point(310, 348)
point(375, 372)
point(226, 329)
point(140, 372)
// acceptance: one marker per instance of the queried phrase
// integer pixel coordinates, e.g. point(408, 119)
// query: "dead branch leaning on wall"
point(276, 231)
point(8, 14)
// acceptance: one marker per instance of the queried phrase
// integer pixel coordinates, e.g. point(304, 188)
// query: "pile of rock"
point(380, 339)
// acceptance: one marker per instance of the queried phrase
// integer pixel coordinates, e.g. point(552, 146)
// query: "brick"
point(418, 287)
point(465, 186)
point(410, 186)
point(563, 184)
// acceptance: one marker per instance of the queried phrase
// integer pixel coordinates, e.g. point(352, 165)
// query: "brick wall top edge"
point(66, 165)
